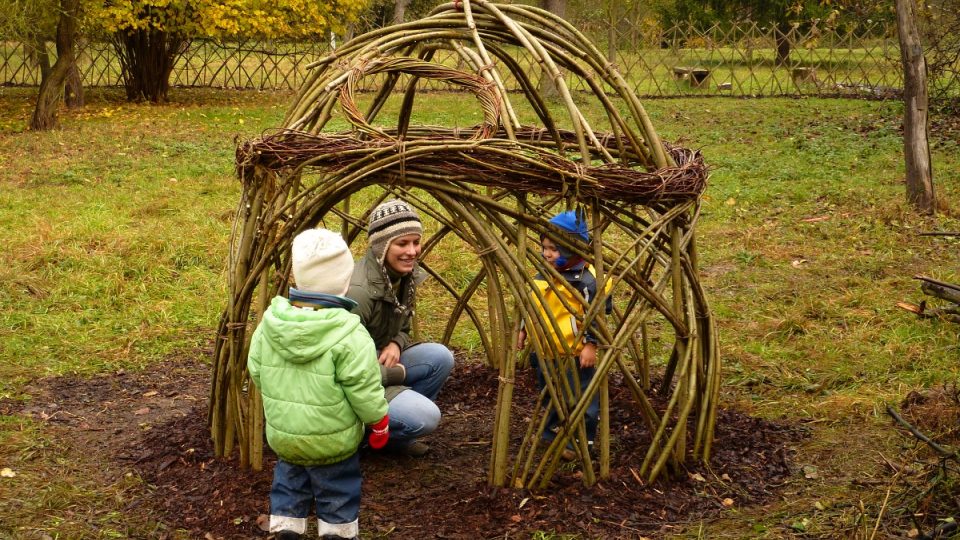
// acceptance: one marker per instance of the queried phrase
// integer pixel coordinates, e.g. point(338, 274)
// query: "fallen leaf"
point(7, 472)
point(523, 502)
point(725, 477)
point(516, 518)
point(263, 522)
point(728, 502)
point(819, 506)
point(731, 201)
point(140, 412)
point(150, 393)
point(814, 219)
point(810, 472)
point(698, 477)
point(913, 533)
point(797, 263)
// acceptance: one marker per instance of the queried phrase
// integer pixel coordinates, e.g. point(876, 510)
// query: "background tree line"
point(150, 35)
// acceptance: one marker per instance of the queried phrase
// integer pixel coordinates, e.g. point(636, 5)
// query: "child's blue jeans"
point(335, 489)
point(591, 416)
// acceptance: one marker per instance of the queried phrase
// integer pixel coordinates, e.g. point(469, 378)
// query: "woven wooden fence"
point(734, 60)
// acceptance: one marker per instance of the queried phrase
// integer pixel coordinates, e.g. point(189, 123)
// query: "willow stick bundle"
point(493, 187)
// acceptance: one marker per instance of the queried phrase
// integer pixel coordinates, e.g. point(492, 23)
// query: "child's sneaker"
point(569, 454)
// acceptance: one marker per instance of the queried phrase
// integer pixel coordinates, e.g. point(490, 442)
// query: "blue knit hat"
point(573, 222)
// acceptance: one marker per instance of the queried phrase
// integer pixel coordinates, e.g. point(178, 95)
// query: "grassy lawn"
point(115, 239)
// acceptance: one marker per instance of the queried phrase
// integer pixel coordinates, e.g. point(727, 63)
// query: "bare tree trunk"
point(38, 53)
point(73, 90)
point(51, 87)
point(147, 57)
point(613, 20)
point(916, 147)
point(547, 87)
point(783, 33)
point(73, 94)
point(400, 10)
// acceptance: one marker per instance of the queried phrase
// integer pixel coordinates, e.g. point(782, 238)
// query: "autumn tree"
point(381, 13)
point(781, 15)
point(35, 23)
point(51, 87)
point(150, 35)
point(939, 22)
point(548, 88)
point(32, 22)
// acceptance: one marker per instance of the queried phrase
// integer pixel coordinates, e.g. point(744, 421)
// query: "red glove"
point(380, 433)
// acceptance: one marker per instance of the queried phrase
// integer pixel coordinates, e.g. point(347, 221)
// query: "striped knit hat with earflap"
point(388, 221)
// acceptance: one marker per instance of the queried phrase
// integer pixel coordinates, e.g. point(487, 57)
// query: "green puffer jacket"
point(380, 308)
point(320, 380)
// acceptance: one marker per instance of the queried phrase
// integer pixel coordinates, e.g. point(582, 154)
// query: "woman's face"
point(402, 253)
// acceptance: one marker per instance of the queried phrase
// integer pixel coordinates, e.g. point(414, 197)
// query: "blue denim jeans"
point(413, 412)
point(335, 489)
point(591, 416)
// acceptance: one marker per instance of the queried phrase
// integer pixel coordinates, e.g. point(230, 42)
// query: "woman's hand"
point(588, 356)
point(390, 355)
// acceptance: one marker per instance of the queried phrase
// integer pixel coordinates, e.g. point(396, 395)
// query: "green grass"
point(115, 238)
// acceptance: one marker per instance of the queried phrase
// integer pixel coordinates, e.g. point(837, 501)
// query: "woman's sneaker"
point(415, 449)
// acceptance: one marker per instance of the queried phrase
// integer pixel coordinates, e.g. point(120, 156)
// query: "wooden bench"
point(694, 76)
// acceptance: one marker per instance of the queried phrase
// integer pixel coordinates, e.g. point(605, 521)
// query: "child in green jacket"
point(317, 370)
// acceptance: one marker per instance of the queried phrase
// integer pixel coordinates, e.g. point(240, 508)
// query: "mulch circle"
point(155, 423)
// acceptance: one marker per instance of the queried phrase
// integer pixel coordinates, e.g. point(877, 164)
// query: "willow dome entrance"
point(486, 193)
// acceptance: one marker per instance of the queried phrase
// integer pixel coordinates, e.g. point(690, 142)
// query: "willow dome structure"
point(491, 189)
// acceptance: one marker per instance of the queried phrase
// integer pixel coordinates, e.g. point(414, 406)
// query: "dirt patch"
point(155, 423)
point(935, 412)
point(926, 481)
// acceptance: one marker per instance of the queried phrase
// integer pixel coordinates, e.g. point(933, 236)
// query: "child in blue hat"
point(581, 277)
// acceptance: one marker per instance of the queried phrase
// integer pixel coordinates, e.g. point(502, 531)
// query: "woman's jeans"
point(413, 412)
point(591, 416)
point(334, 488)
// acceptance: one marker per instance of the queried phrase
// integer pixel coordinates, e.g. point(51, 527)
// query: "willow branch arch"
point(492, 188)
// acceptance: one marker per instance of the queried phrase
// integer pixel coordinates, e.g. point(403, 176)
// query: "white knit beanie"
point(389, 221)
point(322, 262)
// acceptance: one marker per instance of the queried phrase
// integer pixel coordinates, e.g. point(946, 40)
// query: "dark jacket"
point(382, 310)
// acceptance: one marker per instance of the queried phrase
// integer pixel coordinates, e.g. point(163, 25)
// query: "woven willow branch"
point(493, 187)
